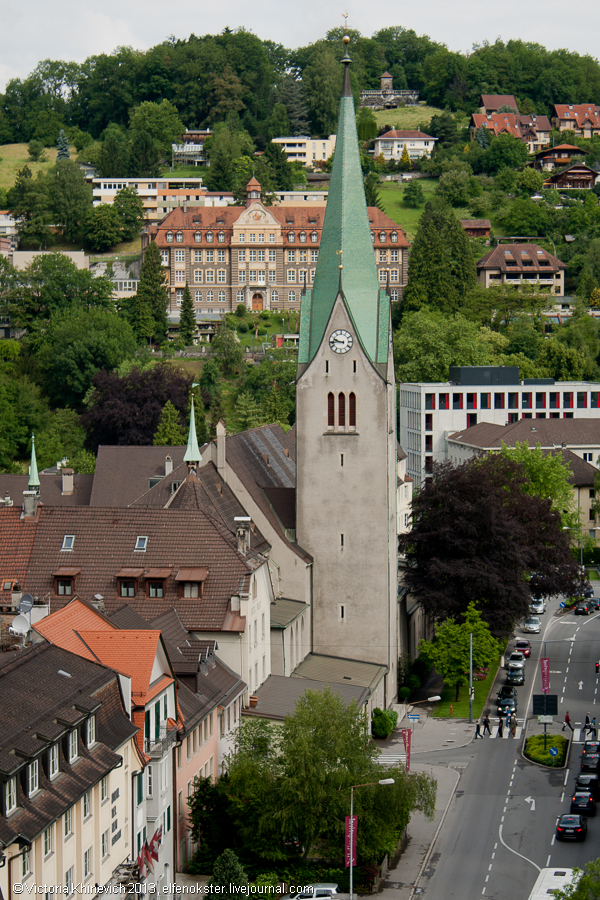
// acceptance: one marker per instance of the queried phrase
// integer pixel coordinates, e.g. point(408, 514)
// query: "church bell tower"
point(346, 427)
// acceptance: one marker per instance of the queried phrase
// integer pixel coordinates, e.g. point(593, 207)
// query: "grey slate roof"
point(284, 611)
point(548, 433)
point(331, 669)
point(278, 696)
point(50, 489)
point(122, 473)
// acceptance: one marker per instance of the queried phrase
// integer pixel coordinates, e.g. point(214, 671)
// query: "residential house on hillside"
point(582, 118)
point(190, 149)
point(532, 130)
point(577, 176)
point(522, 265)
point(491, 103)
point(391, 145)
point(306, 150)
point(68, 753)
point(477, 227)
point(553, 157)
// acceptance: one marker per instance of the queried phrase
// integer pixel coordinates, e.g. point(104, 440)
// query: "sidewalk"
point(428, 734)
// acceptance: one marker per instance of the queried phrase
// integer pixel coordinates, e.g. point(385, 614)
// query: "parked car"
point(516, 659)
point(313, 892)
point(583, 608)
point(590, 762)
point(571, 828)
point(588, 781)
point(532, 625)
point(515, 675)
point(538, 605)
point(507, 700)
point(584, 803)
point(524, 647)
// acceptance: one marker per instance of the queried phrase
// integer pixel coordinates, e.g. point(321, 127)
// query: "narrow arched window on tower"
point(352, 410)
point(330, 410)
point(342, 410)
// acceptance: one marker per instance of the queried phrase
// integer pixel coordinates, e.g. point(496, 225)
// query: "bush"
point(242, 327)
point(262, 331)
point(534, 749)
point(268, 879)
point(265, 315)
point(413, 682)
point(421, 668)
point(240, 310)
point(383, 722)
point(403, 693)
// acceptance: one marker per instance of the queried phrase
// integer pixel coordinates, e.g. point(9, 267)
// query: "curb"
point(435, 837)
point(541, 765)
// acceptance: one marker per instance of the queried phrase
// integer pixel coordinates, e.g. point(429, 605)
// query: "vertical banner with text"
point(406, 736)
point(545, 666)
point(351, 826)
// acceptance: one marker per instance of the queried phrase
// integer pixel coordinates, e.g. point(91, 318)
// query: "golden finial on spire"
point(346, 38)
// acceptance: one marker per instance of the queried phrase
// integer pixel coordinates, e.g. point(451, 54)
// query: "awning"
point(158, 574)
point(130, 573)
point(66, 571)
point(198, 574)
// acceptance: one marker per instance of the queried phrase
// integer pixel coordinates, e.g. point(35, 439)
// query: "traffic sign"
point(545, 720)
point(414, 717)
point(562, 604)
point(553, 751)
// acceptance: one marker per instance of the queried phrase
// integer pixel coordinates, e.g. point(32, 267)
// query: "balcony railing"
point(160, 745)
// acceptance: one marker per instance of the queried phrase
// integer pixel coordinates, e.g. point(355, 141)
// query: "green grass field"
point(406, 118)
point(14, 156)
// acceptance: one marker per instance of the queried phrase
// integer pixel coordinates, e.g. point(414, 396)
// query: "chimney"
point(235, 603)
point(168, 464)
point(221, 433)
point(7, 500)
point(16, 594)
point(242, 532)
point(67, 481)
point(30, 502)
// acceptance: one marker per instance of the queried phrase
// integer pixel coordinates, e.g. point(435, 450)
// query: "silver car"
point(516, 660)
point(532, 625)
point(538, 605)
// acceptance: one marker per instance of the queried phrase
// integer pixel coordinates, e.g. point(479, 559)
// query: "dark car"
point(584, 803)
point(591, 747)
point(588, 781)
point(507, 699)
point(524, 647)
point(590, 763)
point(515, 676)
point(571, 828)
point(583, 608)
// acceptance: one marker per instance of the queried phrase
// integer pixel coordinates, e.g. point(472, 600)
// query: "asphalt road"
point(499, 831)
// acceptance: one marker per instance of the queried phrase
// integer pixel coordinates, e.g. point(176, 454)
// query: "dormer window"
point(302, 237)
point(179, 237)
point(373, 237)
point(10, 795)
point(64, 587)
point(169, 237)
point(394, 237)
point(156, 589)
point(198, 237)
point(141, 543)
point(291, 237)
point(209, 237)
point(221, 237)
point(190, 588)
point(73, 746)
point(127, 588)
point(53, 761)
point(382, 237)
point(90, 738)
point(314, 237)
point(33, 777)
point(191, 580)
point(68, 542)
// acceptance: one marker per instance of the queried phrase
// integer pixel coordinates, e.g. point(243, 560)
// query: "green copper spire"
point(34, 478)
point(192, 454)
point(346, 261)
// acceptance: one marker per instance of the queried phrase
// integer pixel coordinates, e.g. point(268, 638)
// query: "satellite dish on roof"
point(26, 603)
point(20, 626)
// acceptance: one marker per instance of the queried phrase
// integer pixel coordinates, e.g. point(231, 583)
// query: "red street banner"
point(406, 737)
point(351, 826)
point(545, 664)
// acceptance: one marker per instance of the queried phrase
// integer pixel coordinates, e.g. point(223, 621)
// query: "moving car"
point(590, 762)
point(591, 747)
point(532, 625)
point(538, 605)
point(583, 608)
point(571, 828)
point(584, 803)
point(314, 891)
point(588, 781)
point(515, 675)
point(524, 647)
point(516, 660)
point(507, 700)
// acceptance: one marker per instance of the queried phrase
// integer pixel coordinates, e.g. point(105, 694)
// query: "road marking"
point(567, 669)
point(562, 796)
point(494, 854)
point(535, 865)
point(490, 867)
point(502, 819)
point(496, 846)
point(552, 841)
point(566, 776)
point(548, 861)
point(581, 685)
point(532, 801)
point(487, 878)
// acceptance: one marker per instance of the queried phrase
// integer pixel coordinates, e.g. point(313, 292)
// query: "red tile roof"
point(131, 653)
point(406, 135)
point(16, 544)
point(498, 257)
point(495, 101)
point(578, 114)
point(62, 627)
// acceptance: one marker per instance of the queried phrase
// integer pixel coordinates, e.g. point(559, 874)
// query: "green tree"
point(405, 163)
point(28, 200)
point(292, 97)
point(226, 94)
point(159, 122)
point(372, 195)
point(62, 145)
point(549, 478)
point(279, 124)
point(227, 349)
point(227, 871)
point(169, 432)
point(63, 437)
point(113, 160)
point(36, 151)
point(130, 210)
point(322, 81)
point(412, 195)
point(564, 363)
point(187, 319)
point(151, 298)
point(449, 650)
point(248, 412)
point(586, 885)
point(506, 150)
point(83, 462)
point(454, 187)
point(102, 228)
point(529, 182)
point(366, 124)
point(70, 197)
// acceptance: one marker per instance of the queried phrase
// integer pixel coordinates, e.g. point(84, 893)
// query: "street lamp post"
point(351, 829)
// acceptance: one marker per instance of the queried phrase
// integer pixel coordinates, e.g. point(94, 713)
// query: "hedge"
point(534, 749)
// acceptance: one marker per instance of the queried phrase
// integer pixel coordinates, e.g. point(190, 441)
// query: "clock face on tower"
point(340, 341)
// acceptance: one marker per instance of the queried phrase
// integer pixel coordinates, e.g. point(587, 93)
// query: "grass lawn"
point(460, 708)
point(14, 156)
point(406, 118)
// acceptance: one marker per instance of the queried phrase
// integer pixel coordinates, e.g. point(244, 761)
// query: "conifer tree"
point(62, 145)
point(216, 412)
point(227, 872)
point(152, 292)
point(169, 432)
point(405, 163)
point(200, 418)
point(248, 412)
point(187, 320)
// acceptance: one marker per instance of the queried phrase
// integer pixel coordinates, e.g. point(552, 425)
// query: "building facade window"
point(198, 237)
point(156, 589)
point(104, 844)
point(127, 588)
point(73, 745)
point(352, 410)
point(197, 276)
point(48, 843)
point(33, 777)
point(198, 296)
point(68, 822)
point(179, 237)
point(10, 795)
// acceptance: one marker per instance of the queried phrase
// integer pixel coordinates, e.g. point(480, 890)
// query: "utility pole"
point(471, 688)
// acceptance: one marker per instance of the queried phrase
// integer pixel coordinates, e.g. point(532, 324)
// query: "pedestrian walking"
point(478, 733)
point(567, 722)
point(513, 726)
point(508, 716)
point(588, 723)
point(500, 725)
point(486, 725)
